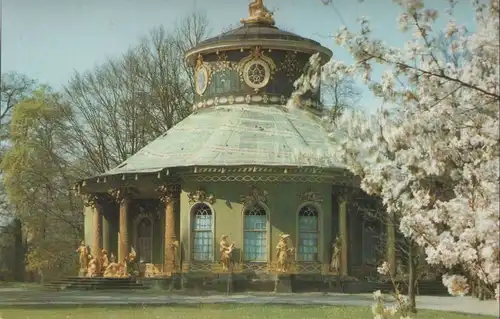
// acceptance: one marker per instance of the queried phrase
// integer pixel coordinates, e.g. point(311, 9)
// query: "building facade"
point(239, 166)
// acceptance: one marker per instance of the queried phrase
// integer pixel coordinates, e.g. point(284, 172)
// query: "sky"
point(50, 40)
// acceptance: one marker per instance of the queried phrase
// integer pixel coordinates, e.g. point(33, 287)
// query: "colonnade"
point(124, 196)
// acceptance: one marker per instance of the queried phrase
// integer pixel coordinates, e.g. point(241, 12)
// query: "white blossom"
point(434, 159)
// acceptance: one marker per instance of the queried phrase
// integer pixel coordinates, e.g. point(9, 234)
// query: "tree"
point(434, 159)
point(12, 250)
point(13, 88)
point(123, 104)
point(340, 94)
point(37, 176)
point(410, 266)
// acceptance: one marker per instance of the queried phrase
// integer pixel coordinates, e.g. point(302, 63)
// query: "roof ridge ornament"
point(258, 14)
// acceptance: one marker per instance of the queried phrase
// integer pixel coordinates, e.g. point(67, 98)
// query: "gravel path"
point(19, 297)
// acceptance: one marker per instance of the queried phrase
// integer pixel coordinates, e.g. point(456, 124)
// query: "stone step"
point(94, 283)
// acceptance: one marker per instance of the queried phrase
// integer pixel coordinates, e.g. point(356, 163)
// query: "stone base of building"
point(203, 282)
point(210, 283)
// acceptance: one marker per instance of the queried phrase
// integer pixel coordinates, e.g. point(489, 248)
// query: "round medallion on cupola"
point(202, 73)
point(257, 69)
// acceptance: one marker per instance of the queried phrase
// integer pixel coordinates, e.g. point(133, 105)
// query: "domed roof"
point(243, 80)
point(234, 136)
point(258, 29)
point(262, 34)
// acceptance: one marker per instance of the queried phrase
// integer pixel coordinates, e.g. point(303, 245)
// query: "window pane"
point(202, 233)
point(308, 234)
point(202, 245)
point(255, 246)
point(308, 223)
point(202, 217)
point(255, 234)
point(308, 246)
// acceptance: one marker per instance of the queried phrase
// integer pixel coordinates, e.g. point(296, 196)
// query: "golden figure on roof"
point(258, 13)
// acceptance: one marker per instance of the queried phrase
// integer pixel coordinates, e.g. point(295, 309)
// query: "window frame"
point(266, 231)
point(319, 214)
point(192, 232)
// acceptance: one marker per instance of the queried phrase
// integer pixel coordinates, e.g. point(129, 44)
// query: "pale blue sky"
point(48, 40)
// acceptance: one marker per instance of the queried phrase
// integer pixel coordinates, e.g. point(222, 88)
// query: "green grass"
point(212, 311)
point(23, 285)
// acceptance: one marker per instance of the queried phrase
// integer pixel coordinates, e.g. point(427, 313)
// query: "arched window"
point(202, 233)
point(144, 240)
point(308, 234)
point(255, 234)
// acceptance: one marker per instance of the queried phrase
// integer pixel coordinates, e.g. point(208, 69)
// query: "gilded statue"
point(151, 270)
point(92, 267)
point(112, 268)
point(121, 270)
point(336, 255)
point(226, 252)
point(104, 260)
point(174, 246)
point(84, 257)
point(284, 253)
point(132, 266)
point(258, 13)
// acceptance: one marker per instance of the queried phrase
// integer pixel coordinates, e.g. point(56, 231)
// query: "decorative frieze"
point(311, 196)
point(254, 196)
point(200, 195)
point(261, 99)
point(290, 66)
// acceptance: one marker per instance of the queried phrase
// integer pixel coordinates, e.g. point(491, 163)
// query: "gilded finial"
point(258, 13)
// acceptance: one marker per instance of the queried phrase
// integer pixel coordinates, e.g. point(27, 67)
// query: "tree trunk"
point(41, 276)
point(412, 278)
point(19, 252)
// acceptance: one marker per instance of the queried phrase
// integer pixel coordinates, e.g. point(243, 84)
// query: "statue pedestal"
point(82, 272)
point(227, 280)
point(175, 281)
point(283, 283)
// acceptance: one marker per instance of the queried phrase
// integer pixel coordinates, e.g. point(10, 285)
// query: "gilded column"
point(168, 196)
point(96, 226)
point(93, 201)
point(123, 197)
point(391, 243)
point(105, 231)
point(343, 235)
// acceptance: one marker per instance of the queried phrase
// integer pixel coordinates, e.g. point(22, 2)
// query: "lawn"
point(212, 311)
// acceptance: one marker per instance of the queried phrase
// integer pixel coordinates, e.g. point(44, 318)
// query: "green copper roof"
point(236, 135)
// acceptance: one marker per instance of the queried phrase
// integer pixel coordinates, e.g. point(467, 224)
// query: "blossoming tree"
point(434, 158)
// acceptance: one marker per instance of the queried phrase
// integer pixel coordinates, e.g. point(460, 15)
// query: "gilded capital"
point(343, 194)
point(91, 200)
point(167, 192)
point(121, 193)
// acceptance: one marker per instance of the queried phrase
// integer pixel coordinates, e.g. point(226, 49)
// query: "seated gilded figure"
point(92, 267)
point(104, 260)
point(112, 269)
point(258, 13)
